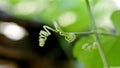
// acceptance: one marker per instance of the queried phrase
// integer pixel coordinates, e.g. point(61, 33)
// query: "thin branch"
point(82, 33)
point(91, 16)
point(107, 34)
point(92, 32)
point(97, 36)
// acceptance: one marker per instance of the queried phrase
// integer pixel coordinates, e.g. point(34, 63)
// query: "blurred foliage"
point(104, 12)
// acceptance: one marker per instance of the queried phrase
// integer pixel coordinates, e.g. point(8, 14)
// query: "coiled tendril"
point(70, 37)
point(43, 36)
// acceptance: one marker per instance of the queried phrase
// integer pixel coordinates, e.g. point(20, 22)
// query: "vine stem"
point(97, 39)
point(92, 32)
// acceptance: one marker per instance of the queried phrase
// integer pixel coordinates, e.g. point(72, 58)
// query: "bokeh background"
point(21, 21)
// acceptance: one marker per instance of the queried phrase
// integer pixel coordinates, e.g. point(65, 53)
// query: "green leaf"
point(116, 19)
point(89, 57)
point(112, 49)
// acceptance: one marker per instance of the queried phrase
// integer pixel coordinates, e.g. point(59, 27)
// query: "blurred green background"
point(73, 16)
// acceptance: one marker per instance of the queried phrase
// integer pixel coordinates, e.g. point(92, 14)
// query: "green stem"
point(97, 36)
point(82, 33)
point(92, 32)
point(107, 34)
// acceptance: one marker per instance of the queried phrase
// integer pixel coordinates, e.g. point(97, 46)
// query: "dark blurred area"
point(24, 51)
